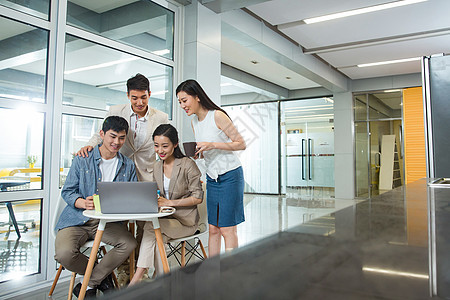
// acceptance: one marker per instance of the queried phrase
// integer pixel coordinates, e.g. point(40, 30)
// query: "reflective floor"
point(265, 215)
point(20, 257)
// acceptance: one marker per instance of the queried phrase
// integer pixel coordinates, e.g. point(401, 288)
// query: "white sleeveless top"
point(217, 161)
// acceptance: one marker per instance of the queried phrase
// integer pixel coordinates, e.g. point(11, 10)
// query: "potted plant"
point(31, 159)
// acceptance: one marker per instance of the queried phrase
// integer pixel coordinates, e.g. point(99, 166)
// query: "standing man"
point(143, 120)
point(74, 229)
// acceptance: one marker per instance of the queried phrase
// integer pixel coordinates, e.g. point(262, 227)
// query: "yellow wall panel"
point(414, 135)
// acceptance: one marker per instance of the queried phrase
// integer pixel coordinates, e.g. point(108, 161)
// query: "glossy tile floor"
point(265, 215)
point(375, 249)
point(20, 257)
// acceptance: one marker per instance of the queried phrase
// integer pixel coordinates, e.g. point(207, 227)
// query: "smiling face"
point(190, 104)
point(112, 140)
point(164, 147)
point(139, 101)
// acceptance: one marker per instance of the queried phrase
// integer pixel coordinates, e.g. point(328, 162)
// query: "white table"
point(106, 218)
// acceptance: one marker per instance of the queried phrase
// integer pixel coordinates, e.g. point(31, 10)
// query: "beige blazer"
point(184, 182)
point(144, 156)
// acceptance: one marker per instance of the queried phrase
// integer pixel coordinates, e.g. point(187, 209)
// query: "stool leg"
point(72, 283)
point(55, 281)
point(203, 249)
point(183, 254)
point(132, 254)
point(116, 282)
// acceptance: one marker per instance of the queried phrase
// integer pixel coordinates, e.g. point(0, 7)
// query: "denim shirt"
point(81, 182)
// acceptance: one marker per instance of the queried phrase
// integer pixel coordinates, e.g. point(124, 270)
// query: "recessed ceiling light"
point(287, 77)
point(392, 91)
point(360, 11)
point(254, 62)
point(103, 65)
point(388, 62)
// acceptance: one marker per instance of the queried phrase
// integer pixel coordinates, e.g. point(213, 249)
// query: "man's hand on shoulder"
point(84, 152)
point(87, 203)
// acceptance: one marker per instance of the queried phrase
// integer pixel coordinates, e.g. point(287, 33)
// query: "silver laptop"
point(128, 197)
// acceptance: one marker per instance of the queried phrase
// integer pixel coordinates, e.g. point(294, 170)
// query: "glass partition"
point(258, 124)
point(142, 24)
point(23, 60)
point(75, 133)
point(95, 76)
point(378, 118)
point(21, 155)
point(38, 8)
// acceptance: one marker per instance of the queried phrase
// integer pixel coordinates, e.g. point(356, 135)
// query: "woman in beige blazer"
point(178, 179)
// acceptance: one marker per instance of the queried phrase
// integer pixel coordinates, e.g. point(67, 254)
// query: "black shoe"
point(106, 285)
point(92, 293)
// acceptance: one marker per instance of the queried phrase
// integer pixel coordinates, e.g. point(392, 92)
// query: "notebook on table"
point(128, 197)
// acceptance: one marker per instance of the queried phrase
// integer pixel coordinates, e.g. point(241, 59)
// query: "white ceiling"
point(404, 32)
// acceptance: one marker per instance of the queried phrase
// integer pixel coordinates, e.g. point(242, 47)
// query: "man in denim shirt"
point(104, 163)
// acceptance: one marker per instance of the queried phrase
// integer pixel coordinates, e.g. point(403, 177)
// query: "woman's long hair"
point(193, 88)
point(170, 132)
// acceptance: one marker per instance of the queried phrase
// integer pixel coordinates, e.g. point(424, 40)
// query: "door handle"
point(303, 159)
point(309, 158)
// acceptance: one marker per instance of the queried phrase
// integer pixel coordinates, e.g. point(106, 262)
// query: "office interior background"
point(312, 100)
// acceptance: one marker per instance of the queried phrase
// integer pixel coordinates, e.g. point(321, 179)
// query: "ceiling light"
point(388, 62)
point(159, 93)
point(161, 52)
point(392, 91)
point(254, 62)
point(360, 11)
point(103, 65)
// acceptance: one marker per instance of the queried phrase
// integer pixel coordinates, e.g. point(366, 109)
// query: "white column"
point(344, 162)
point(201, 57)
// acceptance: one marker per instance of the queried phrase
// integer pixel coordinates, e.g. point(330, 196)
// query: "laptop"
point(128, 197)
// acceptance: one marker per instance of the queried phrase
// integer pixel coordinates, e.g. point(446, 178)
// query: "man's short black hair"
point(138, 82)
point(115, 123)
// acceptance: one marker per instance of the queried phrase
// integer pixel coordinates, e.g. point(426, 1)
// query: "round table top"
point(119, 217)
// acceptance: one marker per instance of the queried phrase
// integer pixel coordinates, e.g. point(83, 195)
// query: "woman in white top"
point(217, 139)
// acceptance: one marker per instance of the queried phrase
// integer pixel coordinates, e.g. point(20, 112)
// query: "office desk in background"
point(4, 185)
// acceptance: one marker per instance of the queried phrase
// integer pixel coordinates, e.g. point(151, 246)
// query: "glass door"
point(308, 148)
point(378, 143)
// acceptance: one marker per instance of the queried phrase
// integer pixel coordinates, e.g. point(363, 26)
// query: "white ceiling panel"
point(283, 11)
point(407, 31)
point(237, 56)
point(384, 70)
point(407, 20)
point(399, 50)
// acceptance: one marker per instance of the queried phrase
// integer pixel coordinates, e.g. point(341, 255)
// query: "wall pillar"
point(201, 58)
point(344, 162)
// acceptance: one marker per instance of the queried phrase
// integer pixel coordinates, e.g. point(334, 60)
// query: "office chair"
point(178, 246)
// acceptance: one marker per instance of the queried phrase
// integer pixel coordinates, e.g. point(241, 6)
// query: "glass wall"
point(377, 119)
point(62, 65)
point(38, 8)
point(141, 24)
point(258, 125)
point(95, 76)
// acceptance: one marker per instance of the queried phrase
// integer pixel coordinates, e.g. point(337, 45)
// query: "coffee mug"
point(190, 148)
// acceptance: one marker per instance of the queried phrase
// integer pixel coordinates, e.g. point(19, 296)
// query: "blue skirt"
point(225, 198)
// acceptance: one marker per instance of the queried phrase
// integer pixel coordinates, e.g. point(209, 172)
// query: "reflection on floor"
point(269, 214)
point(265, 215)
point(20, 257)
